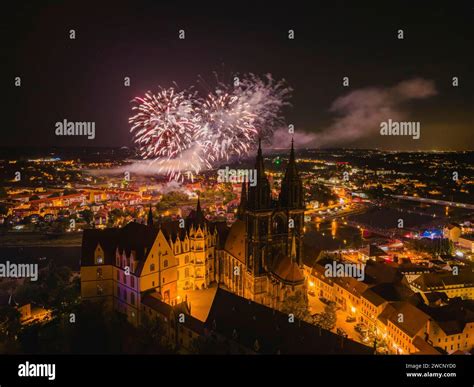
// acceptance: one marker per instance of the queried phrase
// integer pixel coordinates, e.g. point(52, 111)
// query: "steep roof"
point(379, 272)
point(451, 318)
point(287, 270)
point(413, 318)
point(135, 237)
point(107, 239)
point(235, 242)
point(247, 322)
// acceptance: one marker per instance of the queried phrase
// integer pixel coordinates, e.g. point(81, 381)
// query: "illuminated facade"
point(260, 259)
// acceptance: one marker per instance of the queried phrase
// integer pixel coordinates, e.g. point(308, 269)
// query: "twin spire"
point(259, 197)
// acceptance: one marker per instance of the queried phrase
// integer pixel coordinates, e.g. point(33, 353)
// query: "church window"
point(279, 226)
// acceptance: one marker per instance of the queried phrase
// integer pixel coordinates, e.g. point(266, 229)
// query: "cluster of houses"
point(414, 308)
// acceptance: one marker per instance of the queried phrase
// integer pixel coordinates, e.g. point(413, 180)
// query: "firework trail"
point(184, 133)
point(266, 99)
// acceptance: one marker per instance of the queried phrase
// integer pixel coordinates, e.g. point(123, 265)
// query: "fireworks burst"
point(227, 128)
point(183, 133)
point(164, 128)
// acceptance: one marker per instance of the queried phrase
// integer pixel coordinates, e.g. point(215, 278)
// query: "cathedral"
point(262, 256)
point(259, 257)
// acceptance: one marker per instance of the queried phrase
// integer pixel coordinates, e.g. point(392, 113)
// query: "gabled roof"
point(287, 270)
point(391, 292)
point(423, 347)
point(134, 237)
point(413, 318)
point(451, 318)
point(152, 301)
point(379, 272)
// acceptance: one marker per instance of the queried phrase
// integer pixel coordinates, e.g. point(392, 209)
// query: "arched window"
point(152, 267)
point(279, 226)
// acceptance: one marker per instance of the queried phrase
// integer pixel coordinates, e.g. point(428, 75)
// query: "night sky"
point(82, 79)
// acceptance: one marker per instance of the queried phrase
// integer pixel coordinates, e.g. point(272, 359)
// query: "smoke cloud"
point(360, 112)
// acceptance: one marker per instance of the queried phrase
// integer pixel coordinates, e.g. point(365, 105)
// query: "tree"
point(151, 336)
point(113, 216)
point(9, 322)
point(321, 194)
point(171, 199)
point(328, 318)
point(297, 304)
point(3, 209)
point(376, 192)
point(87, 215)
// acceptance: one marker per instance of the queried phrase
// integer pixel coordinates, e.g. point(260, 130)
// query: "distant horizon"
point(49, 147)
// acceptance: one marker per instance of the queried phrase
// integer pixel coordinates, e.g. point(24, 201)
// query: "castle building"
point(259, 258)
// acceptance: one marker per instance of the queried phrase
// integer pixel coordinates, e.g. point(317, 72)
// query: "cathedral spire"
point(149, 221)
point(199, 213)
point(291, 194)
point(259, 164)
point(243, 202)
point(259, 194)
point(291, 167)
point(198, 207)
